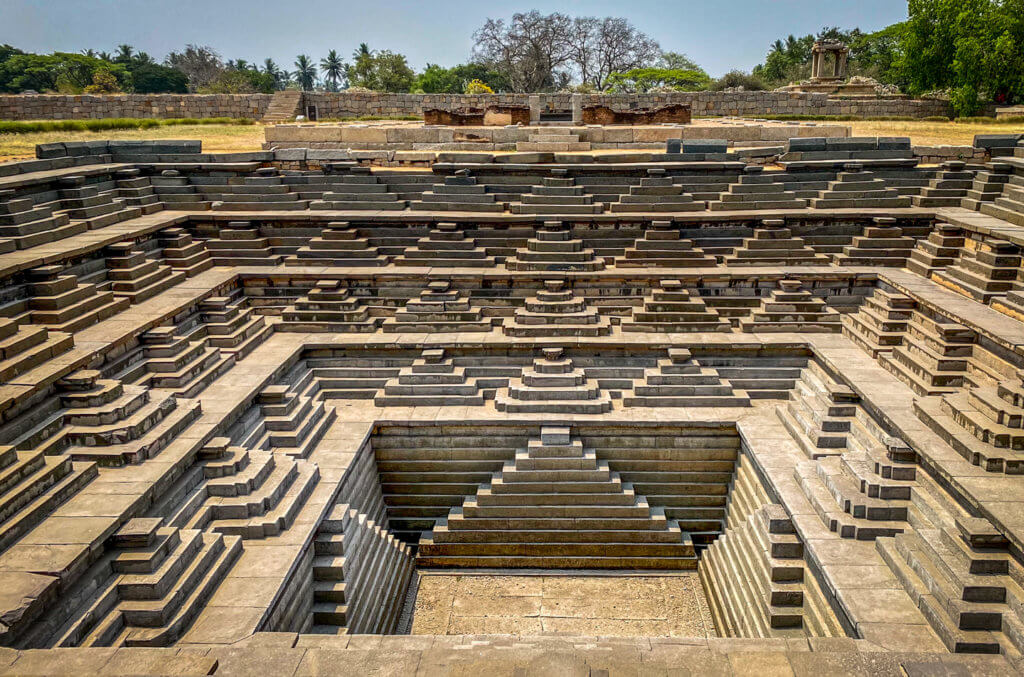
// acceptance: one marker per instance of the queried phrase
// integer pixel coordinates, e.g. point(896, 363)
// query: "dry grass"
point(215, 138)
point(932, 133)
point(225, 138)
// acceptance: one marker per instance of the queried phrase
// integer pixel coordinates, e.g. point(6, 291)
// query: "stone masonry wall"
point(56, 107)
point(342, 105)
point(747, 104)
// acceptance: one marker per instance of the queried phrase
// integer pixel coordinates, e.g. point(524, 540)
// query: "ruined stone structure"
point(254, 411)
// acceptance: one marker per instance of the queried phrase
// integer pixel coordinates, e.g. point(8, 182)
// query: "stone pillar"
point(577, 109)
point(815, 65)
point(841, 58)
point(534, 109)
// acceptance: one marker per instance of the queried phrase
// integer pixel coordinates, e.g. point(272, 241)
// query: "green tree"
point(640, 80)
point(305, 72)
point(973, 48)
point(382, 71)
point(333, 69)
point(151, 78)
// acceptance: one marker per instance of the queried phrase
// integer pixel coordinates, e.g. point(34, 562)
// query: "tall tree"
point(124, 53)
point(382, 71)
point(200, 64)
point(333, 69)
point(533, 50)
point(305, 72)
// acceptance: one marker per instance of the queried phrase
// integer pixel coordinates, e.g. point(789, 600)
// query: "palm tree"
point(104, 56)
point(333, 68)
point(124, 53)
point(362, 50)
point(305, 72)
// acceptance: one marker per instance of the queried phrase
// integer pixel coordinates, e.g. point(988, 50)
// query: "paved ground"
point(615, 606)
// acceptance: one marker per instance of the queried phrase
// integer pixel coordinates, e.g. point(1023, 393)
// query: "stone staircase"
point(773, 244)
point(445, 247)
point(656, 193)
point(359, 190)
point(329, 306)
point(982, 423)
point(431, 380)
point(966, 583)
point(557, 194)
point(552, 385)
point(290, 420)
point(23, 224)
point(552, 140)
point(941, 249)
point(556, 311)
point(673, 308)
point(59, 302)
point(789, 307)
point(339, 244)
point(181, 253)
point(158, 581)
point(458, 193)
point(883, 244)
point(241, 244)
point(949, 187)
point(679, 382)
point(439, 308)
point(236, 491)
point(361, 573)
point(135, 276)
point(989, 268)
point(856, 189)
point(934, 355)
point(881, 322)
point(554, 249)
point(662, 246)
point(22, 348)
point(757, 190)
point(284, 107)
point(556, 506)
point(754, 573)
point(106, 422)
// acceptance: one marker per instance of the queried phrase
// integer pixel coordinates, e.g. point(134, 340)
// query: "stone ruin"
point(490, 116)
point(606, 115)
point(257, 416)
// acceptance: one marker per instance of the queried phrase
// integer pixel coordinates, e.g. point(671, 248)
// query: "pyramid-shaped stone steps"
point(162, 579)
point(328, 307)
point(942, 247)
point(556, 506)
point(880, 323)
point(60, 303)
point(961, 587)
point(791, 308)
point(339, 244)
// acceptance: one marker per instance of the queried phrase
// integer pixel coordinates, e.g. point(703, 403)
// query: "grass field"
point(215, 138)
point(225, 138)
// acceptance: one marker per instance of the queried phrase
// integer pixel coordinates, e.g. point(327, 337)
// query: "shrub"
point(103, 82)
point(733, 79)
point(478, 87)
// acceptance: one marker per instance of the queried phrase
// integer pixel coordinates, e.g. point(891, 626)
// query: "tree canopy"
point(971, 51)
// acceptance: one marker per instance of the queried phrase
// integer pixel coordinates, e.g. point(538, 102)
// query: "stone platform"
point(393, 135)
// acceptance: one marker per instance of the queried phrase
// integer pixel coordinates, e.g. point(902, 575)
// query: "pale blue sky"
point(721, 35)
